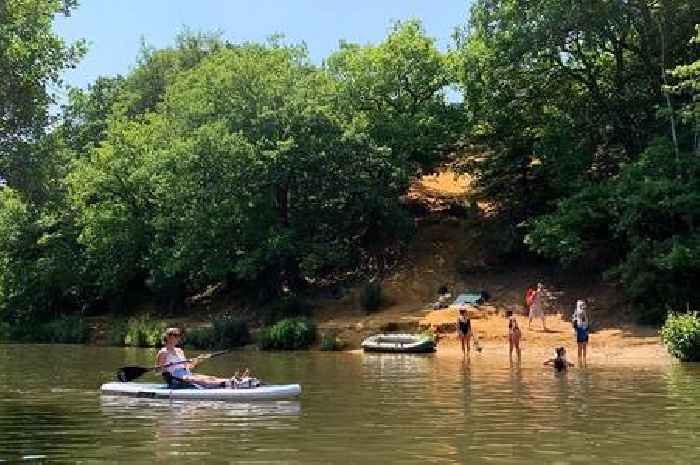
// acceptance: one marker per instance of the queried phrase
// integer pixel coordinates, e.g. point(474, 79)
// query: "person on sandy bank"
point(443, 298)
point(464, 331)
point(579, 312)
point(179, 375)
point(537, 307)
point(580, 323)
point(514, 336)
point(559, 362)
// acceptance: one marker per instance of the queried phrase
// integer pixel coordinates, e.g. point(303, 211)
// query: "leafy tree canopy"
point(32, 58)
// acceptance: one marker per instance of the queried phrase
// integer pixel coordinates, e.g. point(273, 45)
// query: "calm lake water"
point(355, 408)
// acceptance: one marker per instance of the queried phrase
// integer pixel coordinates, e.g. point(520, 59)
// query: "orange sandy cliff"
point(430, 262)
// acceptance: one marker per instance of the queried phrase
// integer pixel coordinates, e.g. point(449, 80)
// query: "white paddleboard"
point(161, 391)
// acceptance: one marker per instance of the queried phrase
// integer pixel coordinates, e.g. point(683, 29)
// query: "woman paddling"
point(179, 374)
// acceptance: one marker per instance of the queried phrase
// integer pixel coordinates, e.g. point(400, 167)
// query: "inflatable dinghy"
point(161, 391)
point(399, 343)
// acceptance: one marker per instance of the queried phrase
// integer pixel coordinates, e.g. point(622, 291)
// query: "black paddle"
point(130, 373)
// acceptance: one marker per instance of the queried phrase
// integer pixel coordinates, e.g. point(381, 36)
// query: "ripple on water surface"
point(355, 408)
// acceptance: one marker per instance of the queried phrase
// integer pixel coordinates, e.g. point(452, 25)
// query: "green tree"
point(156, 69)
point(39, 267)
point(32, 58)
point(397, 90)
point(561, 93)
point(687, 83)
point(645, 218)
point(243, 173)
point(84, 118)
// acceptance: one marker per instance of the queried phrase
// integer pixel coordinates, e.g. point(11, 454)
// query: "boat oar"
point(130, 373)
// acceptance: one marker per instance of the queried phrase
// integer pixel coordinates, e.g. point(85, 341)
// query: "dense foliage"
point(224, 333)
point(290, 334)
point(211, 162)
point(681, 335)
point(32, 58)
point(246, 166)
point(579, 141)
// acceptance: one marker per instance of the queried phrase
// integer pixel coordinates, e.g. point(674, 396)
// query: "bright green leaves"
point(398, 89)
point(244, 172)
point(31, 59)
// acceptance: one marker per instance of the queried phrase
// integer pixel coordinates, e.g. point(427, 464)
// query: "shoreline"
point(609, 347)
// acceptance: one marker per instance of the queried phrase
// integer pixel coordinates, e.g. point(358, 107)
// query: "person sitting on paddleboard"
point(559, 362)
point(180, 374)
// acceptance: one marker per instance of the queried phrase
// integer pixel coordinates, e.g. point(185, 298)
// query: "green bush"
point(681, 336)
point(143, 331)
point(224, 333)
point(21, 331)
point(331, 343)
point(115, 333)
point(66, 329)
point(285, 308)
point(371, 297)
point(289, 334)
point(4, 332)
point(70, 329)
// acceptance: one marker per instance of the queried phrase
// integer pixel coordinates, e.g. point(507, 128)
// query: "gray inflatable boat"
point(399, 343)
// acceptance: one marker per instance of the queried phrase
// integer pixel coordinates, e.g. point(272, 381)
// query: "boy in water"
point(559, 362)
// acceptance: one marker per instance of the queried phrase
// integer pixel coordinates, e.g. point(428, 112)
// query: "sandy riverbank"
point(628, 345)
point(625, 346)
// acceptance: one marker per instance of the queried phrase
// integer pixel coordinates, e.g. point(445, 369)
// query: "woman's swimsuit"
point(514, 339)
point(176, 373)
point(465, 326)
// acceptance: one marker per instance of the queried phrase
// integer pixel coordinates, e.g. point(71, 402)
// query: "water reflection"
point(355, 408)
point(194, 429)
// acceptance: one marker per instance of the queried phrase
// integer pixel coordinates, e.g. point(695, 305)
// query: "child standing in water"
point(560, 363)
point(464, 331)
point(514, 335)
point(581, 327)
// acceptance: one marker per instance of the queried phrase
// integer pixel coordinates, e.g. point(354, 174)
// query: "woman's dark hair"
point(510, 323)
point(560, 351)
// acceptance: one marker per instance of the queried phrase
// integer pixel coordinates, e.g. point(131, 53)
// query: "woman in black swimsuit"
point(464, 330)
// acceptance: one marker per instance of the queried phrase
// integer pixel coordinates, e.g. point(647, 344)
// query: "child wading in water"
point(580, 322)
point(559, 362)
point(513, 338)
point(464, 331)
